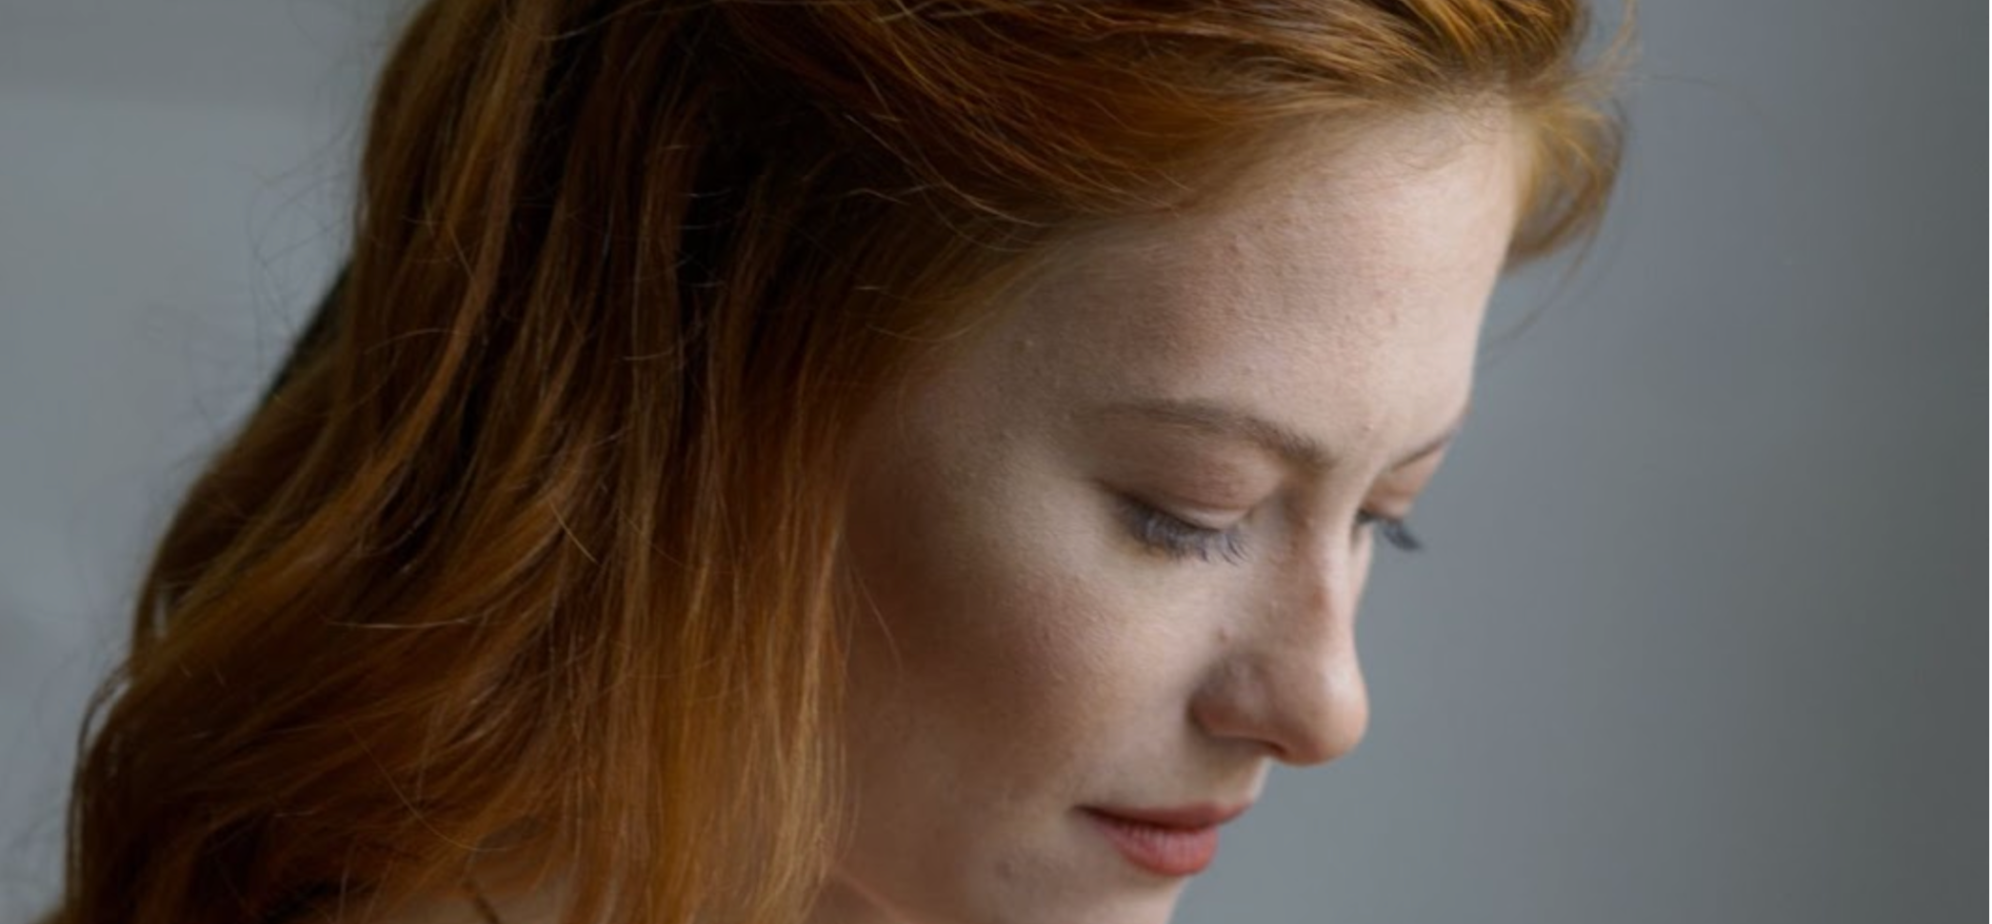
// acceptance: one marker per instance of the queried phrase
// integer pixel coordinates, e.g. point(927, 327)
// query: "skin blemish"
point(1032, 658)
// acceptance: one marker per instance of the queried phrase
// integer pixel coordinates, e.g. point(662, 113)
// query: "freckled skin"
point(1025, 653)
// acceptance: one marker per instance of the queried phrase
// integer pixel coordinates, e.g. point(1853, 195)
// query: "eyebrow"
point(1296, 448)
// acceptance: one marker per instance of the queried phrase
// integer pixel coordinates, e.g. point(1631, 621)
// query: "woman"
point(829, 462)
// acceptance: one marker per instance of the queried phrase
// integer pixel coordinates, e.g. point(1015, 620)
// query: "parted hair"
point(531, 557)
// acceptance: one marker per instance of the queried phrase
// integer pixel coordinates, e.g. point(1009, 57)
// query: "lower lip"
point(1159, 850)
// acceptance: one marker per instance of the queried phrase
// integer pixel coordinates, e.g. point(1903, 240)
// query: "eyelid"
point(1201, 516)
point(1394, 530)
point(1170, 534)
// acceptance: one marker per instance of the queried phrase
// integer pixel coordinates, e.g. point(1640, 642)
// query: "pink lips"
point(1167, 842)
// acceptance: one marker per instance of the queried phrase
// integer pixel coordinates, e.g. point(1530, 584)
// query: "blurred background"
point(1698, 635)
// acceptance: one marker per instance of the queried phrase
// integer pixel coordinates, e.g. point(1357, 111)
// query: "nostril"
point(1299, 709)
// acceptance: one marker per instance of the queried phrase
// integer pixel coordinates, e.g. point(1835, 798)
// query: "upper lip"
point(1202, 815)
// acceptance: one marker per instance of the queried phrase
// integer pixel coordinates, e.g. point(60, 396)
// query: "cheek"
point(995, 637)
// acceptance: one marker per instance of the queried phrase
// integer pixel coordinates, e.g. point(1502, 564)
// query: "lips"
point(1170, 842)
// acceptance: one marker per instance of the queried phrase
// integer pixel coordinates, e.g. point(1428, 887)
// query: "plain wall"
point(1698, 635)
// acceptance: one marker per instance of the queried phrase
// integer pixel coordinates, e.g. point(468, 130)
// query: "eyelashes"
point(1394, 532)
point(1178, 538)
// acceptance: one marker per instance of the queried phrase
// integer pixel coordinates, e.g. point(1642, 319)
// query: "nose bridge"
point(1291, 680)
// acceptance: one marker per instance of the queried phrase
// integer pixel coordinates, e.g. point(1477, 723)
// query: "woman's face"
point(1113, 545)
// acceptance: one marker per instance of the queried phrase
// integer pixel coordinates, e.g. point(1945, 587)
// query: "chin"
point(1011, 898)
point(1146, 910)
point(1154, 909)
point(1133, 898)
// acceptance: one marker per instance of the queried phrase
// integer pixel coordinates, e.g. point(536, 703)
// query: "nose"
point(1287, 679)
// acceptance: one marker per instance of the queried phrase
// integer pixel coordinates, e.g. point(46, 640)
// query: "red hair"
point(534, 560)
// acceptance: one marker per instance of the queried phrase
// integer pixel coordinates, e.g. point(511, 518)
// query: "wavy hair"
point(531, 557)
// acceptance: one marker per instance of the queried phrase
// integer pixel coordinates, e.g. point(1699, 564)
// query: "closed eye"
point(1392, 529)
point(1178, 538)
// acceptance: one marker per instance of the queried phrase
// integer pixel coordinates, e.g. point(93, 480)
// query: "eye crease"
point(1178, 538)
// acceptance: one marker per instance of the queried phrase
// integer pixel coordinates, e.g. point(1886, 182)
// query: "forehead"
point(1353, 273)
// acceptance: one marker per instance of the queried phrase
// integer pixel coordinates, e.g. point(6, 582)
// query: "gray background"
point(1698, 635)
